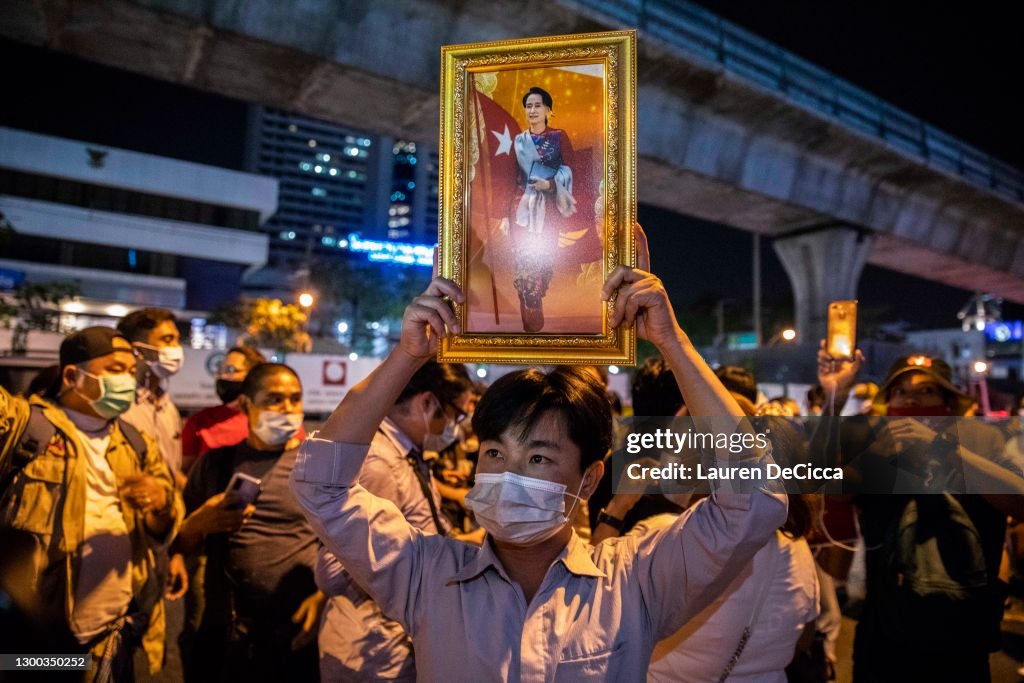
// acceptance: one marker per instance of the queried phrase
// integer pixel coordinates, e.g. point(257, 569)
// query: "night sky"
point(956, 70)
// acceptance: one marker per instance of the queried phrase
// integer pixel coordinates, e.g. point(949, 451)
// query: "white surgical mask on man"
point(169, 360)
point(517, 509)
point(276, 429)
point(439, 442)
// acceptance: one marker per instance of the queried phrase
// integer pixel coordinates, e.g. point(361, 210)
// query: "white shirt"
point(104, 587)
point(702, 648)
point(596, 615)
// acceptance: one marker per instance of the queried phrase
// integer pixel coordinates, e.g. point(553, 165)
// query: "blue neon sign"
point(393, 252)
point(1005, 331)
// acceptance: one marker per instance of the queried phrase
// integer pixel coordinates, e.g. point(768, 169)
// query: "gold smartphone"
point(842, 329)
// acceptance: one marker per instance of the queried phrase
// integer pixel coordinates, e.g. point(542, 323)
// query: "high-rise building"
point(336, 181)
point(412, 209)
point(328, 181)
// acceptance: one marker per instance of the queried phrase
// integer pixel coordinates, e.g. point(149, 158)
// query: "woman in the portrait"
point(540, 206)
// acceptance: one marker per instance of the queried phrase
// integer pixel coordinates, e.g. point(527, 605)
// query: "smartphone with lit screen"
point(247, 488)
point(842, 329)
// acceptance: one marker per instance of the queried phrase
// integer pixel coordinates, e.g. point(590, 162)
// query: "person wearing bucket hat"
point(912, 628)
point(95, 494)
point(921, 385)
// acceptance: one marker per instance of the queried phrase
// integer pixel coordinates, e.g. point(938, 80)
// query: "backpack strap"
point(36, 437)
point(34, 441)
point(135, 439)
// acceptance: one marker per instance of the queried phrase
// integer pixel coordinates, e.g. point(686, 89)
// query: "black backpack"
point(936, 588)
point(36, 438)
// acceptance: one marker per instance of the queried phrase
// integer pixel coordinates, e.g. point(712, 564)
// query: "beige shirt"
point(158, 417)
point(104, 586)
point(597, 614)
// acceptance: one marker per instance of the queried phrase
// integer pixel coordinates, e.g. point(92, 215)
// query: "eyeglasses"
point(460, 414)
point(229, 370)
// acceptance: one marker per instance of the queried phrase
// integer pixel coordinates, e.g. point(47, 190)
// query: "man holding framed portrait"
point(535, 602)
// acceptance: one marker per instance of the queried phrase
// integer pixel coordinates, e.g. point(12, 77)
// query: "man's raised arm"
point(369, 534)
point(365, 406)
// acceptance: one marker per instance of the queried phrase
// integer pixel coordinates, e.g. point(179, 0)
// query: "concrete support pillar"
point(824, 264)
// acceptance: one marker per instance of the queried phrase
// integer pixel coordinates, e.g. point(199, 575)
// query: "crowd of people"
point(436, 529)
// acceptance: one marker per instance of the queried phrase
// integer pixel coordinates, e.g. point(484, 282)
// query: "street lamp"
point(787, 334)
point(979, 311)
point(980, 383)
point(306, 299)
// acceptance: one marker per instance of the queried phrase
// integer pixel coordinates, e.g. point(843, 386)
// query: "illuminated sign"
point(1004, 331)
point(393, 252)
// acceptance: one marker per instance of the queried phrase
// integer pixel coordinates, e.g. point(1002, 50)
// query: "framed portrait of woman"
point(537, 196)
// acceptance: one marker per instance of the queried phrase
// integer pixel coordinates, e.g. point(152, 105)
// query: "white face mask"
point(439, 442)
point(169, 361)
point(276, 429)
point(517, 509)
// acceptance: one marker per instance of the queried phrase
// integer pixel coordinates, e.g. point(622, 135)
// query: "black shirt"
point(266, 566)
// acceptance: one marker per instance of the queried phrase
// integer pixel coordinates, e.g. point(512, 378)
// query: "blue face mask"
point(117, 394)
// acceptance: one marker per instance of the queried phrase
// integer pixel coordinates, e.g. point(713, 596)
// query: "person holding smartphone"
point(262, 606)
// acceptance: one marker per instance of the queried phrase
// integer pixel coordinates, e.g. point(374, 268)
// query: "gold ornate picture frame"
point(537, 196)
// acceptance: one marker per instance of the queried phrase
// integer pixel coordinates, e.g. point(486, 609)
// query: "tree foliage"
point(269, 323)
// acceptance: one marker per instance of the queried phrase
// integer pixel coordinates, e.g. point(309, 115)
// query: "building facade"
point(336, 181)
point(130, 229)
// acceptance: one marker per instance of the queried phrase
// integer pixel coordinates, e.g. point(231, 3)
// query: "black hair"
point(252, 356)
point(447, 381)
point(615, 401)
point(655, 391)
point(253, 382)
point(545, 96)
point(137, 324)
point(800, 519)
point(602, 372)
point(816, 396)
point(522, 398)
point(46, 383)
point(738, 380)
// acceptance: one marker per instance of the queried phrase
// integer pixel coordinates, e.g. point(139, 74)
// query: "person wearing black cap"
point(96, 497)
point(934, 601)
